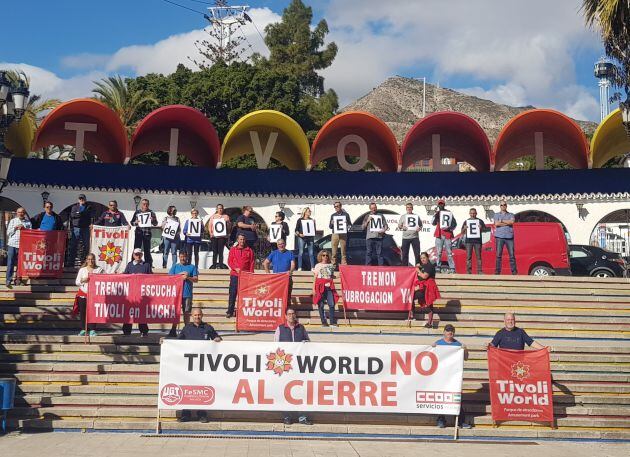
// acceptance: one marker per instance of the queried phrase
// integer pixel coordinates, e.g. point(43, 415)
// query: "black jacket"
point(36, 221)
point(81, 219)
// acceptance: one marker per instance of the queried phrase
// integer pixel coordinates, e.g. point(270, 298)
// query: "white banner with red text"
point(334, 377)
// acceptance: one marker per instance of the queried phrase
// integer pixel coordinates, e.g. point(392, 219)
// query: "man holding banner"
point(410, 224)
point(47, 220)
point(219, 228)
point(16, 225)
point(241, 258)
point(513, 337)
point(339, 223)
point(375, 226)
point(144, 219)
point(282, 261)
point(137, 266)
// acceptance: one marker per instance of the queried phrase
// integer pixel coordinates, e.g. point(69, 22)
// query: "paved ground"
point(127, 445)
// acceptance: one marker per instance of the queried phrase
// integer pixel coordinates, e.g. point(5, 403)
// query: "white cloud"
point(522, 52)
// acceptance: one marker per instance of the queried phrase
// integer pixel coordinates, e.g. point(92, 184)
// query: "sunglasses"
point(504, 204)
point(325, 255)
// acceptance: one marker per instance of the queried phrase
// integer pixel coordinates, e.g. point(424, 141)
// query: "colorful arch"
point(197, 138)
point(291, 148)
point(109, 143)
point(562, 138)
point(609, 140)
point(382, 146)
point(461, 137)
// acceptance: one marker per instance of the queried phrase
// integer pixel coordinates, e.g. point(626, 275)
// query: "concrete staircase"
point(111, 383)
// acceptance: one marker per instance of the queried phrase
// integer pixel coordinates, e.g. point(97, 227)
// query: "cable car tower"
point(604, 72)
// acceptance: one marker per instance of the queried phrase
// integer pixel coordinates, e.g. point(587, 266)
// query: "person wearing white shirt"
point(16, 225)
point(88, 268)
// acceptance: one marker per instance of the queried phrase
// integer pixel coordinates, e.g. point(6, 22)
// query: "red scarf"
point(320, 289)
point(75, 306)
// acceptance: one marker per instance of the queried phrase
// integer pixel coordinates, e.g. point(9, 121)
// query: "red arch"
point(198, 139)
point(109, 143)
point(382, 145)
point(562, 138)
point(461, 137)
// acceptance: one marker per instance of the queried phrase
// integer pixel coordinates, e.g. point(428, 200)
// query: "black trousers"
point(193, 249)
point(218, 246)
point(144, 241)
point(232, 294)
point(144, 328)
point(414, 243)
point(82, 301)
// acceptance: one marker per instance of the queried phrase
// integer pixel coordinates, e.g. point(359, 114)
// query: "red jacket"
point(243, 259)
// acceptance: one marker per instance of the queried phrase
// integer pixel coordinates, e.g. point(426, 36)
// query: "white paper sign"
point(377, 223)
point(170, 229)
point(144, 219)
point(412, 221)
point(275, 232)
point(266, 376)
point(446, 217)
point(308, 227)
point(194, 227)
point(219, 227)
point(340, 224)
point(473, 228)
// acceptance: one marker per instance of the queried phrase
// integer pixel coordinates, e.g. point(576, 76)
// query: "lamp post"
point(137, 200)
point(13, 101)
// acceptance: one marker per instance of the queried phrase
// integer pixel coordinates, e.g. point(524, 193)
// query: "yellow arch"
point(609, 140)
point(291, 148)
point(20, 136)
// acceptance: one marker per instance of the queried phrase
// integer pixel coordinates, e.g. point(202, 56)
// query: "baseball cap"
point(137, 251)
point(449, 328)
point(82, 196)
point(441, 202)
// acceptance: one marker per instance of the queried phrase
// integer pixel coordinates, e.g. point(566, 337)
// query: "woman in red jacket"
point(427, 291)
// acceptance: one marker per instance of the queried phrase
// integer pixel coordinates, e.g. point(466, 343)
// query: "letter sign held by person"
point(446, 217)
point(144, 219)
point(309, 227)
point(340, 225)
point(275, 232)
point(473, 228)
point(376, 223)
point(219, 227)
point(170, 229)
point(412, 221)
point(194, 227)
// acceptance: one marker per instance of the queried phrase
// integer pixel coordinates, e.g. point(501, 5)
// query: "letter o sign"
point(432, 362)
point(341, 152)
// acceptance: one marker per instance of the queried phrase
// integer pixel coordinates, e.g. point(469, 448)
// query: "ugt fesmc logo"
point(517, 391)
point(174, 394)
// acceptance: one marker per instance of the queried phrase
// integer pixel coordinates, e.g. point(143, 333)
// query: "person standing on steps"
point(324, 288)
point(16, 225)
point(241, 258)
point(445, 223)
point(340, 224)
point(144, 219)
point(219, 227)
point(305, 231)
point(193, 232)
point(170, 235)
point(375, 226)
point(190, 275)
point(282, 261)
point(88, 268)
point(411, 225)
point(427, 291)
point(47, 220)
point(79, 220)
point(471, 231)
point(279, 228)
point(504, 236)
point(137, 266)
point(247, 226)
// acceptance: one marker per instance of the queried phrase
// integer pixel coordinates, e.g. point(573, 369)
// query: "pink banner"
point(377, 288)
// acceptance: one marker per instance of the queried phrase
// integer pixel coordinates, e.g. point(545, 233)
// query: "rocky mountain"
point(398, 102)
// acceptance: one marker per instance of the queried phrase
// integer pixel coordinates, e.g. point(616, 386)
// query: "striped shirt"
point(13, 233)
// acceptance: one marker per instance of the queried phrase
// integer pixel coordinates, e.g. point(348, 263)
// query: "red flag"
point(377, 288)
point(520, 385)
point(41, 253)
point(262, 301)
point(137, 298)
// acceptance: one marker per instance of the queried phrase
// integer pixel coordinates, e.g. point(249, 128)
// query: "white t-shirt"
point(83, 274)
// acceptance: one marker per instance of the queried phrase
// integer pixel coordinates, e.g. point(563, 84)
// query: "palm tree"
point(37, 106)
point(115, 93)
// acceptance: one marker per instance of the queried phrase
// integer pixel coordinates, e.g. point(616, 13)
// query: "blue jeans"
point(374, 246)
point(509, 244)
point(442, 243)
point(82, 234)
point(170, 246)
point(327, 297)
point(302, 243)
point(12, 256)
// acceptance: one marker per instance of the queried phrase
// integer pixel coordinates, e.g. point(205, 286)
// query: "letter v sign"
point(263, 158)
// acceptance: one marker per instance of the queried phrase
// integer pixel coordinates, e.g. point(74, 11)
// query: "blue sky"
point(536, 52)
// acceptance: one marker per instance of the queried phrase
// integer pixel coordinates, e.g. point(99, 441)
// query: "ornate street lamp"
point(13, 101)
point(137, 199)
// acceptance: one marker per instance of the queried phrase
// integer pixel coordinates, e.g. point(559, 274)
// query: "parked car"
point(540, 249)
point(355, 249)
point(595, 261)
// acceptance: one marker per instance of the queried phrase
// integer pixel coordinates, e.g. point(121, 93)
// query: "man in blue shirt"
point(513, 337)
point(47, 220)
point(281, 261)
point(189, 274)
point(504, 236)
point(449, 340)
